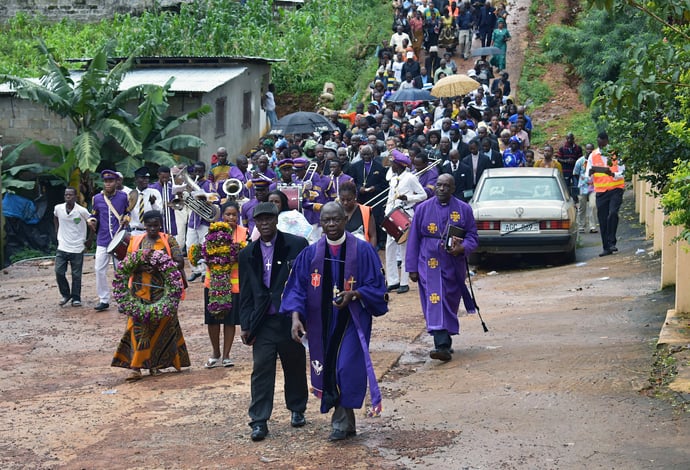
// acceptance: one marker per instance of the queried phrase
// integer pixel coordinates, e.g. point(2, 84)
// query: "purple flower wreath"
point(140, 309)
point(220, 253)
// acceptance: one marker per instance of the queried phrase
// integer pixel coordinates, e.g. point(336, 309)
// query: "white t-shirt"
point(269, 102)
point(71, 228)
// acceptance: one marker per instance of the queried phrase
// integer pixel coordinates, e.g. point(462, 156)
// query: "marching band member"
point(336, 178)
point(197, 227)
point(241, 172)
point(285, 169)
point(420, 161)
point(405, 191)
point(142, 199)
point(108, 214)
point(164, 186)
point(260, 186)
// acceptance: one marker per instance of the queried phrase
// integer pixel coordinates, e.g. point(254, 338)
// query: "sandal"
point(227, 362)
point(154, 372)
point(212, 362)
point(134, 376)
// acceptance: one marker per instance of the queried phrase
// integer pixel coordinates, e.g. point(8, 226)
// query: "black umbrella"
point(480, 51)
point(302, 122)
point(411, 94)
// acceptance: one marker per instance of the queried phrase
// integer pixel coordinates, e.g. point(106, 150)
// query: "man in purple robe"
point(437, 260)
point(428, 176)
point(334, 180)
point(240, 172)
point(335, 288)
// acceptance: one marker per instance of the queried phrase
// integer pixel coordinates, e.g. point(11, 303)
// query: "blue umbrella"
point(411, 94)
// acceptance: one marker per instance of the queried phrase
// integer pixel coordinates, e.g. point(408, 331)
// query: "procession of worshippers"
point(345, 192)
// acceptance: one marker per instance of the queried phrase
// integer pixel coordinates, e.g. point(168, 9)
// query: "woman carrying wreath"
point(228, 238)
point(152, 341)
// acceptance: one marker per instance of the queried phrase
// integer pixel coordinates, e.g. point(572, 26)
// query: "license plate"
point(530, 227)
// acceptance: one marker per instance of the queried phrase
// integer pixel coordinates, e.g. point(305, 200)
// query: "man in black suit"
point(370, 178)
point(492, 154)
point(464, 186)
point(477, 162)
point(264, 268)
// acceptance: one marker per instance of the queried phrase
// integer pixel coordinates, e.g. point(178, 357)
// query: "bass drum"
point(294, 196)
point(397, 224)
point(118, 246)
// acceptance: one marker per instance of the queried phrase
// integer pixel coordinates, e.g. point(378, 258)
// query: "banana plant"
point(10, 171)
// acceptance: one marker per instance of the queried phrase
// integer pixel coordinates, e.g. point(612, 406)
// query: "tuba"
point(191, 195)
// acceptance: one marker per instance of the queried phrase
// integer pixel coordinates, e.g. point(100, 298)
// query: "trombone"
point(383, 195)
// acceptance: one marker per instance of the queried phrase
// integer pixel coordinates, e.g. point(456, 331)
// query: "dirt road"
point(556, 383)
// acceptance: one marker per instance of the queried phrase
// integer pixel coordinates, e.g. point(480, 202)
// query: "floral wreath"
point(220, 254)
point(140, 309)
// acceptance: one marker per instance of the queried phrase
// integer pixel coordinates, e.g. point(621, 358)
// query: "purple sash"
point(314, 328)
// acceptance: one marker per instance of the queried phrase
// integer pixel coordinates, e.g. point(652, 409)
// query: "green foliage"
point(322, 41)
point(532, 87)
point(597, 47)
point(11, 172)
point(106, 133)
point(645, 105)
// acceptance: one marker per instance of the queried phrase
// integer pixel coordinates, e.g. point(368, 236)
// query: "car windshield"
point(520, 188)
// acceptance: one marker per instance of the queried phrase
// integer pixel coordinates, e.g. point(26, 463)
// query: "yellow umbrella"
point(454, 85)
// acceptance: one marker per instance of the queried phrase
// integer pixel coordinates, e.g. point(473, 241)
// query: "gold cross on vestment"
point(351, 282)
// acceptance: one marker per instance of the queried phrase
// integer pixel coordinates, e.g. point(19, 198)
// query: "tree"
point(105, 131)
point(647, 105)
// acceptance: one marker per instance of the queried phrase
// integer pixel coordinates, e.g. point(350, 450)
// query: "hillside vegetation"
point(322, 41)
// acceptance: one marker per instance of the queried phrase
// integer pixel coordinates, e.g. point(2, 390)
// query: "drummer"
point(404, 193)
point(141, 200)
point(108, 216)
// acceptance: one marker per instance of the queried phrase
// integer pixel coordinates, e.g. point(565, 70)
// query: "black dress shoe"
point(393, 287)
point(403, 289)
point(259, 432)
point(614, 248)
point(101, 306)
point(297, 420)
point(194, 277)
point(606, 253)
point(442, 354)
point(339, 435)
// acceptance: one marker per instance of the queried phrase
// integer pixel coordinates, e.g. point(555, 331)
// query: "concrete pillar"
point(650, 204)
point(682, 276)
point(643, 201)
point(668, 255)
point(658, 225)
point(636, 188)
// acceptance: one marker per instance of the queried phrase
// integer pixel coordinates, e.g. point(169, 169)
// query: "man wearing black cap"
point(264, 268)
point(142, 199)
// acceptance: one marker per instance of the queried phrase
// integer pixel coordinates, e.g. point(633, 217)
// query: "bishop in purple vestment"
point(438, 262)
point(334, 290)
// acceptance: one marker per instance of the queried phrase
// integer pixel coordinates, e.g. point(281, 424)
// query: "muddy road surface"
point(559, 381)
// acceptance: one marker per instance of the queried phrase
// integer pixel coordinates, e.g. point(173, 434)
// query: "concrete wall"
point(80, 10)
point(675, 255)
point(21, 119)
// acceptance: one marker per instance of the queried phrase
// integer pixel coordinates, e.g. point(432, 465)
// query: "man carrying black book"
point(442, 235)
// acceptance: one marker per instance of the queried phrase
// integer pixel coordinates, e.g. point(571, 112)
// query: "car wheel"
point(474, 259)
point(569, 256)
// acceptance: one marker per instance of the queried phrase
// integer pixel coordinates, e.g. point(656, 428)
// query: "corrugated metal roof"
point(187, 79)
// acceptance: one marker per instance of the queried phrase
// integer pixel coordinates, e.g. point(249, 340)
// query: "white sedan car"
point(524, 210)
